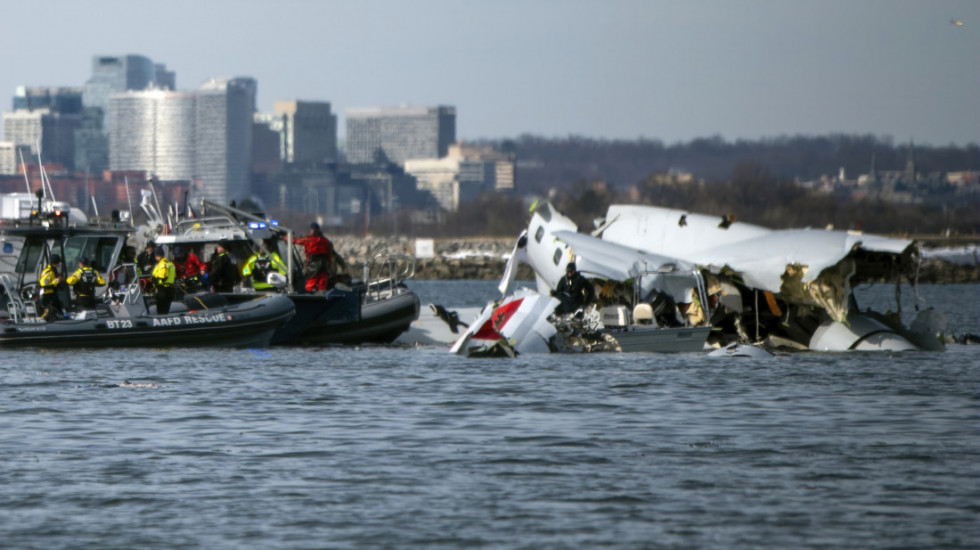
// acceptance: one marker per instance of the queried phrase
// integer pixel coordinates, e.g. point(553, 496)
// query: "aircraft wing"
point(608, 260)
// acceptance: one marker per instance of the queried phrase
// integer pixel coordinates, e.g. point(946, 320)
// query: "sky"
point(611, 69)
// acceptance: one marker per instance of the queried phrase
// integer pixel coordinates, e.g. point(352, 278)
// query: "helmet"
point(570, 267)
point(315, 226)
point(178, 252)
point(55, 259)
point(158, 251)
point(83, 260)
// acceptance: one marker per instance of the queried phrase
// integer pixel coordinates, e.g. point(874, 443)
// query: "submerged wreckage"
point(675, 275)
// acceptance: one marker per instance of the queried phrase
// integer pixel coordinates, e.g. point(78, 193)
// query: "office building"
point(10, 155)
point(114, 74)
point(308, 132)
point(53, 132)
point(451, 181)
point(499, 168)
point(398, 134)
point(153, 131)
point(62, 100)
point(91, 142)
point(223, 137)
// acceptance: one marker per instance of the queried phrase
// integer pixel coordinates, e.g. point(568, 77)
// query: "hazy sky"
point(667, 70)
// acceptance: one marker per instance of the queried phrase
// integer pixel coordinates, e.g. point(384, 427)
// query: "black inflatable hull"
point(380, 322)
point(246, 324)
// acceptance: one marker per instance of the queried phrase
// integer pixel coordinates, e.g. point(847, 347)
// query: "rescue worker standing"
point(51, 280)
point(145, 261)
point(84, 281)
point(189, 269)
point(573, 290)
point(258, 267)
point(222, 275)
point(319, 258)
point(164, 275)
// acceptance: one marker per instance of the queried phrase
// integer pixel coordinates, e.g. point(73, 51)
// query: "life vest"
point(259, 267)
point(85, 279)
point(165, 273)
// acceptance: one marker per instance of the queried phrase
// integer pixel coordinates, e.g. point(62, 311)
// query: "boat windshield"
point(98, 249)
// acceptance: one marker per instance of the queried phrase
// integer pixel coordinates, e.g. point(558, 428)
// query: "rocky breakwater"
point(485, 258)
point(472, 258)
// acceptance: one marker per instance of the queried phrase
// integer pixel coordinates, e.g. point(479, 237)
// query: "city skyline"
point(615, 70)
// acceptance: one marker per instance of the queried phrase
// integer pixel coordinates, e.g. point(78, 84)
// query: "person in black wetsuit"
point(573, 291)
point(223, 272)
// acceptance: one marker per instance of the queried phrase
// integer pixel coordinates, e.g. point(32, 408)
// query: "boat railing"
point(19, 309)
point(208, 223)
point(385, 272)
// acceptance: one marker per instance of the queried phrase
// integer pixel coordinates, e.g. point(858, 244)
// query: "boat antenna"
point(153, 191)
point(129, 199)
point(44, 174)
point(27, 182)
point(95, 207)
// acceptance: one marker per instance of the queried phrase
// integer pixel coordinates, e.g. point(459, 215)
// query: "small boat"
point(124, 316)
point(126, 321)
point(374, 308)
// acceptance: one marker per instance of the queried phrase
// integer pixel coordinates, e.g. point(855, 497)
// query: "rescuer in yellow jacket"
point(164, 275)
point(84, 280)
point(258, 267)
point(51, 279)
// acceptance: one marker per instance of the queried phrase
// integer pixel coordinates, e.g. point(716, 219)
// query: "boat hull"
point(249, 324)
point(661, 340)
point(380, 322)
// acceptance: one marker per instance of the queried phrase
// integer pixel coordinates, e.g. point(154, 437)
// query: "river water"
point(381, 447)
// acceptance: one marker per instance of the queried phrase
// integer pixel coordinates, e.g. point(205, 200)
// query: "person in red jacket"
point(189, 269)
point(319, 258)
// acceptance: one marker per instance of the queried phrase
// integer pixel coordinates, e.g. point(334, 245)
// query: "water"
point(394, 448)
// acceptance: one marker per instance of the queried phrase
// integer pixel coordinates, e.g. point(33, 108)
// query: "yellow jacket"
point(86, 287)
point(49, 279)
point(165, 273)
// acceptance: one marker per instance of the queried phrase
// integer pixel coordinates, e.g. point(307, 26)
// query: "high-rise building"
point(397, 134)
point(112, 74)
point(62, 100)
point(91, 142)
point(153, 130)
point(223, 138)
point(308, 130)
point(500, 167)
point(53, 132)
point(10, 155)
point(451, 181)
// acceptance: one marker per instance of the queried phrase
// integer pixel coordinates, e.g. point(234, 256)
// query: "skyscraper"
point(399, 133)
point(52, 131)
point(153, 131)
point(62, 100)
point(223, 137)
point(113, 74)
point(309, 132)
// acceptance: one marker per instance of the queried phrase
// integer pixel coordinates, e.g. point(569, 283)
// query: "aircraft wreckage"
point(669, 270)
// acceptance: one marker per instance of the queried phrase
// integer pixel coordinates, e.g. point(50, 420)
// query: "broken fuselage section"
point(779, 288)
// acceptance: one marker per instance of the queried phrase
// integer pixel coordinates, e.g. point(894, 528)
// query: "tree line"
point(755, 181)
